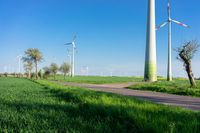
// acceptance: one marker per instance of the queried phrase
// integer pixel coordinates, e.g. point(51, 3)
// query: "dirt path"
point(119, 88)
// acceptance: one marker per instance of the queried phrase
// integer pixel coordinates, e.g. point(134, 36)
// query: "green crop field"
point(27, 106)
point(98, 79)
point(178, 86)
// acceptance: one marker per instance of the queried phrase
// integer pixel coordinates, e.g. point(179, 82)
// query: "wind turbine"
point(150, 73)
point(169, 22)
point(70, 60)
point(87, 70)
point(19, 57)
point(73, 44)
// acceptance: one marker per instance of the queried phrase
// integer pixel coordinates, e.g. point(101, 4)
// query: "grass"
point(27, 106)
point(178, 86)
point(98, 79)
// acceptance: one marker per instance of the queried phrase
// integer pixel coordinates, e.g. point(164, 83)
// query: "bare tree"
point(186, 54)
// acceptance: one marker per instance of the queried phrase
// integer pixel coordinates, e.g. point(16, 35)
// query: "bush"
point(47, 73)
point(5, 74)
point(33, 75)
point(40, 74)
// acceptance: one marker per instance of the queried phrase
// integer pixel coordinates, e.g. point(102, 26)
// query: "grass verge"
point(98, 79)
point(178, 86)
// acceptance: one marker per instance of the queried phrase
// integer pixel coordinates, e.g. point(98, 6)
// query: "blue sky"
point(111, 33)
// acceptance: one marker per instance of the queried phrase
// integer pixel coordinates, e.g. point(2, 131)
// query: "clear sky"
point(111, 33)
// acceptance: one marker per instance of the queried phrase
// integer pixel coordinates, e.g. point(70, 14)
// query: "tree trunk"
point(64, 76)
point(36, 71)
point(190, 75)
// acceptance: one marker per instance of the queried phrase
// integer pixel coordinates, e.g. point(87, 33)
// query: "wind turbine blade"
point(168, 8)
point(68, 43)
point(162, 25)
point(181, 24)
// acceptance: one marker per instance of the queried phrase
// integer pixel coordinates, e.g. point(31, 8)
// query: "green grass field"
point(27, 106)
point(178, 86)
point(98, 79)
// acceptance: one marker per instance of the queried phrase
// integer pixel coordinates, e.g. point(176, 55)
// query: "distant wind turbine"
point(73, 44)
point(19, 57)
point(70, 59)
point(169, 22)
point(87, 70)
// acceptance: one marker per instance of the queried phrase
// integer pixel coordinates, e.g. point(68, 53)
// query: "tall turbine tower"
point(19, 57)
point(169, 22)
point(73, 44)
point(150, 59)
point(70, 60)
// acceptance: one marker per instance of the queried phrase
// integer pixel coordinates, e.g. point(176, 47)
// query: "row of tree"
point(33, 56)
point(31, 59)
point(54, 69)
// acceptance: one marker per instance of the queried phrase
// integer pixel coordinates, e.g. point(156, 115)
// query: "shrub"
point(5, 74)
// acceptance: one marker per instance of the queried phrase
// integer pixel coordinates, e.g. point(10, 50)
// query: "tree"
point(35, 56)
point(28, 66)
point(47, 72)
point(186, 54)
point(40, 75)
point(54, 69)
point(65, 68)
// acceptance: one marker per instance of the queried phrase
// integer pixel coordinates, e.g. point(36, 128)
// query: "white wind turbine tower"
point(169, 22)
point(19, 57)
point(150, 72)
point(73, 44)
point(87, 71)
point(70, 60)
